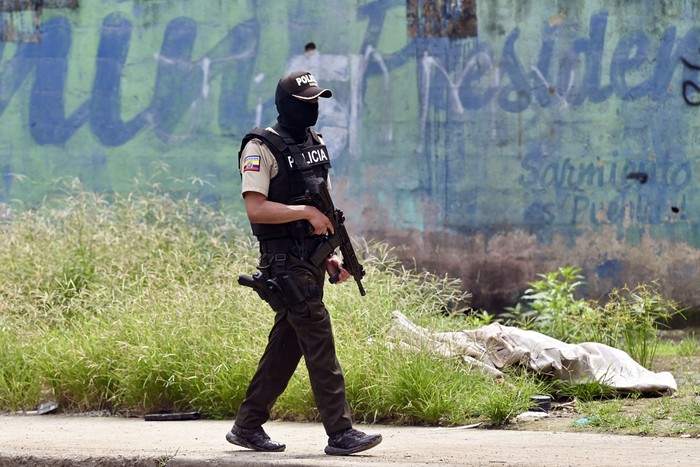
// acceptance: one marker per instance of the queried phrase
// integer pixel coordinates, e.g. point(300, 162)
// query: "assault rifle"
point(317, 193)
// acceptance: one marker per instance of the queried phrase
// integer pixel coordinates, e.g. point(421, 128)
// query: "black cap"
point(303, 86)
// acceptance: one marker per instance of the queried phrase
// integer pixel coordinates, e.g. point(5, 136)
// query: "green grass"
point(678, 415)
point(131, 305)
point(685, 347)
point(628, 318)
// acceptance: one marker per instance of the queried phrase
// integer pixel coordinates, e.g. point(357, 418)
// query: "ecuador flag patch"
point(251, 164)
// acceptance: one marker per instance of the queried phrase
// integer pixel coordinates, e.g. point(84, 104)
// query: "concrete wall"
point(489, 139)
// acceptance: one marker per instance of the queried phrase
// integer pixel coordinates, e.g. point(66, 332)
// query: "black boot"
point(255, 439)
point(350, 441)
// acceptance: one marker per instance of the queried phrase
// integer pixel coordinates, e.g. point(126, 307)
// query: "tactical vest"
point(288, 186)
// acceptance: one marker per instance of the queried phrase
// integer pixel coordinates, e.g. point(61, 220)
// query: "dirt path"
point(59, 440)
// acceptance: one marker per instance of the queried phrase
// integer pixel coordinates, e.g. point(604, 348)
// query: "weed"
point(633, 317)
point(131, 305)
point(551, 308)
point(584, 391)
point(688, 346)
point(628, 319)
point(164, 460)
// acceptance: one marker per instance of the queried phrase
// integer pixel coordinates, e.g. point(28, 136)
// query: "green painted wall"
point(493, 140)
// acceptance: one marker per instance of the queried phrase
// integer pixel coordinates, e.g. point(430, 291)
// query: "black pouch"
point(292, 292)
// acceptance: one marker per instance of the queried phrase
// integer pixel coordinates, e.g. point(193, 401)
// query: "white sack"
point(495, 347)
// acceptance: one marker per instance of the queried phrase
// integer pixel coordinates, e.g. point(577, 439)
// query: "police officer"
point(274, 163)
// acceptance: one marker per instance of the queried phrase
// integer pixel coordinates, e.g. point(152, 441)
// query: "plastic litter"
point(583, 421)
point(47, 407)
point(543, 403)
point(162, 417)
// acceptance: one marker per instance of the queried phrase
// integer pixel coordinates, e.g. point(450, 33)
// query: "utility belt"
point(280, 292)
point(273, 283)
point(302, 248)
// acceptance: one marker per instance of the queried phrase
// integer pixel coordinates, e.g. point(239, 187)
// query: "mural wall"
point(490, 140)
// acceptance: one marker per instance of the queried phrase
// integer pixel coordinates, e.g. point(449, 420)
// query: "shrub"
point(628, 319)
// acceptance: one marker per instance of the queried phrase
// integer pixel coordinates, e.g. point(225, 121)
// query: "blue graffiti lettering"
point(178, 82)
point(689, 87)
point(559, 174)
point(514, 97)
point(468, 91)
point(638, 69)
point(105, 105)
point(592, 50)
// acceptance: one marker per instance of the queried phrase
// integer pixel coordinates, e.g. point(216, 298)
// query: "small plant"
point(550, 306)
point(688, 346)
point(616, 415)
point(477, 319)
point(584, 391)
point(132, 306)
point(629, 319)
point(164, 460)
point(513, 398)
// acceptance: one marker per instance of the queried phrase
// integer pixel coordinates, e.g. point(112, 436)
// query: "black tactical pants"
point(303, 329)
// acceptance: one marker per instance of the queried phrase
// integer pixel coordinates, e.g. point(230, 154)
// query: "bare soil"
point(663, 417)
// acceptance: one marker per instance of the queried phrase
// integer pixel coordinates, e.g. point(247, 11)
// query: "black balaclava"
point(295, 116)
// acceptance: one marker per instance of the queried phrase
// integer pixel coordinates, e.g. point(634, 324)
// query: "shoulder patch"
point(251, 164)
